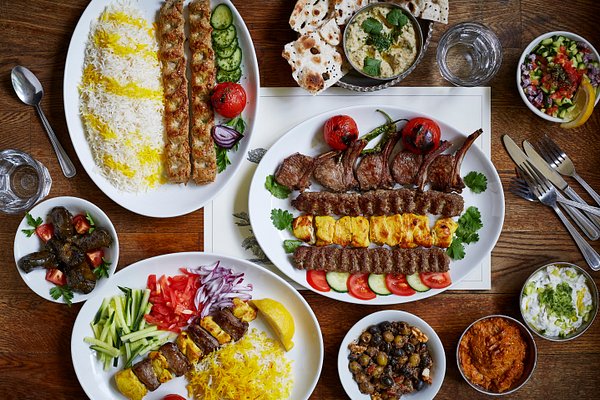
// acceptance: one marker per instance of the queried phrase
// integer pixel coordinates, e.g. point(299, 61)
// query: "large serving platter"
point(167, 200)
point(307, 138)
point(306, 356)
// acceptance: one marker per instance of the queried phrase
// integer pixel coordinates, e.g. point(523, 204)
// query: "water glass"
point(469, 54)
point(23, 181)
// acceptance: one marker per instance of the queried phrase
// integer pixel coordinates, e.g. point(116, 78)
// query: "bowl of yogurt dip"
point(559, 301)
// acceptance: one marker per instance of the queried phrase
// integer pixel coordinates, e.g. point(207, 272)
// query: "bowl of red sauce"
point(550, 71)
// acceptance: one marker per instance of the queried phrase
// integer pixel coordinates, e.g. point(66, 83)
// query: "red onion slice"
point(225, 136)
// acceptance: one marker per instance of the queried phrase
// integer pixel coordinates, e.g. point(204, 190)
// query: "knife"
point(554, 177)
point(521, 159)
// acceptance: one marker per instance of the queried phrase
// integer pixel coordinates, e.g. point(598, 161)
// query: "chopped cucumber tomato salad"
point(556, 301)
point(551, 74)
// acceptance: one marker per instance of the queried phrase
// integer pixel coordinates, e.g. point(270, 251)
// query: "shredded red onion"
point(225, 136)
point(219, 285)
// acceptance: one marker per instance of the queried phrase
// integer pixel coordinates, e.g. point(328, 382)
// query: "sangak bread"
point(345, 9)
point(432, 10)
point(309, 15)
point(330, 32)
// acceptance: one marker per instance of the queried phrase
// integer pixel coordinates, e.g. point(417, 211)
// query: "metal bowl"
point(530, 361)
point(593, 290)
point(357, 81)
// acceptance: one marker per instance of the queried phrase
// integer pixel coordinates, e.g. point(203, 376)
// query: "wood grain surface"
point(35, 359)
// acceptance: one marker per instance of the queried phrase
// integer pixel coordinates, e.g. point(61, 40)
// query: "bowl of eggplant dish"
point(64, 248)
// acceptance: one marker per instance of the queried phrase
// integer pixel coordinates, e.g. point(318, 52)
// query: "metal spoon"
point(30, 91)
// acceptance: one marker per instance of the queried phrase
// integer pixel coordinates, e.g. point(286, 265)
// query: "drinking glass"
point(23, 181)
point(469, 54)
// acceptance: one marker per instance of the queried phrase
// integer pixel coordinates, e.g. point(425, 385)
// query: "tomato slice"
point(56, 276)
point(358, 286)
point(45, 232)
point(95, 257)
point(317, 280)
point(396, 283)
point(173, 397)
point(436, 280)
point(81, 224)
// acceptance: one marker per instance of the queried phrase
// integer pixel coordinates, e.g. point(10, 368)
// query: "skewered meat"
point(95, 240)
point(373, 171)
point(39, 259)
point(230, 324)
point(130, 385)
point(337, 173)
point(61, 219)
point(145, 373)
point(202, 338)
point(176, 361)
point(380, 202)
point(295, 171)
point(81, 278)
point(215, 330)
point(377, 260)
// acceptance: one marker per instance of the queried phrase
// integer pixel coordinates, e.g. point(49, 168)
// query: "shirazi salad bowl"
point(538, 91)
point(559, 301)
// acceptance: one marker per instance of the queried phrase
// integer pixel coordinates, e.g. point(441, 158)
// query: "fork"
point(561, 162)
point(520, 187)
point(546, 194)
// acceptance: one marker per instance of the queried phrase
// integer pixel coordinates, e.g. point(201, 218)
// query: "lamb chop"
point(373, 171)
point(337, 173)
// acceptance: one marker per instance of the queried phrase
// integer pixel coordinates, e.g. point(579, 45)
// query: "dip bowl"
point(529, 49)
point(585, 325)
point(418, 41)
point(529, 363)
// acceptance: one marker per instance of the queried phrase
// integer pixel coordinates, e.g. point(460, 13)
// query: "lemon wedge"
point(584, 105)
point(279, 319)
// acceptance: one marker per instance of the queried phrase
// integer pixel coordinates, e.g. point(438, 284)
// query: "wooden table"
point(35, 360)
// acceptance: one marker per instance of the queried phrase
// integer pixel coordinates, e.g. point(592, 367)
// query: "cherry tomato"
point(396, 283)
point(358, 287)
point(56, 276)
point(95, 257)
point(436, 280)
point(45, 232)
point(340, 131)
point(421, 135)
point(81, 224)
point(173, 397)
point(317, 280)
point(229, 99)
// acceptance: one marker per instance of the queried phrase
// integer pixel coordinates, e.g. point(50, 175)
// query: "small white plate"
point(24, 245)
point(306, 355)
point(434, 344)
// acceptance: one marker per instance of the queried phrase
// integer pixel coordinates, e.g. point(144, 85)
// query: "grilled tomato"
point(421, 135)
point(340, 131)
point(229, 99)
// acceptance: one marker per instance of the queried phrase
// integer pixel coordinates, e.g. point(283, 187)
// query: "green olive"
point(414, 360)
point(354, 367)
point(382, 358)
point(388, 336)
point(378, 371)
point(364, 360)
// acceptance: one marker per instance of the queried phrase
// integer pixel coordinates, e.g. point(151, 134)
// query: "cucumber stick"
point(338, 281)
point(414, 281)
point(377, 284)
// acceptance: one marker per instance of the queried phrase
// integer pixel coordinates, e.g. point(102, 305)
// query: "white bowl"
point(528, 50)
point(25, 245)
point(434, 344)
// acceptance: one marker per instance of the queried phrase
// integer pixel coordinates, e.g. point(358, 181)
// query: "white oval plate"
point(306, 356)
point(434, 344)
point(307, 138)
point(167, 200)
point(24, 245)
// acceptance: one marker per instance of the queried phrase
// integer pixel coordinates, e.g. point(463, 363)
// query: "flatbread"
point(330, 32)
point(309, 15)
point(345, 9)
point(436, 10)
point(316, 65)
point(415, 7)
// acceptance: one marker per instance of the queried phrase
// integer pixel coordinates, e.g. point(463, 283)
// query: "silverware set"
point(539, 171)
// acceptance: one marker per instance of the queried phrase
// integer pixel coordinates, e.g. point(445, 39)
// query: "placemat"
point(227, 227)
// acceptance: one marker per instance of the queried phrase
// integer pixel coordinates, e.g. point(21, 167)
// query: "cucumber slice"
point(414, 281)
point(377, 284)
point(546, 42)
point(230, 63)
point(224, 37)
point(338, 281)
point(227, 51)
point(221, 17)
point(229, 76)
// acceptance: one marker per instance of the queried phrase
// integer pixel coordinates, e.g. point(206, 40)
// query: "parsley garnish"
point(101, 271)
point(277, 190)
point(371, 25)
point(476, 181)
point(62, 291)
point(34, 222)
point(468, 225)
point(282, 219)
point(372, 66)
point(91, 221)
point(381, 41)
point(397, 18)
point(223, 160)
point(291, 245)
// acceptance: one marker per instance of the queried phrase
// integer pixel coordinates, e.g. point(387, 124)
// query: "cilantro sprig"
point(468, 226)
point(372, 66)
point(476, 181)
point(223, 160)
point(62, 291)
point(277, 190)
point(282, 219)
point(91, 221)
point(33, 222)
point(101, 271)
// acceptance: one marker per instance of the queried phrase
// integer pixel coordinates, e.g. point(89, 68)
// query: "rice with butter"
point(121, 99)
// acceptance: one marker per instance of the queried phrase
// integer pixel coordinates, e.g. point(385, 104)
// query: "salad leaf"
point(371, 25)
point(291, 245)
point(33, 222)
point(277, 190)
point(372, 66)
point(468, 225)
point(62, 291)
point(282, 219)
point(476, 181)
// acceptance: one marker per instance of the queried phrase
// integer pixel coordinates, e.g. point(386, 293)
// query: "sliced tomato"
point(173, 397)
point(317, 280)
point(81, 224)
point(358, 287)
point(396, 283)
point(45, 232)
point(95, 257)
point(56, 276)
point(436, 280)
